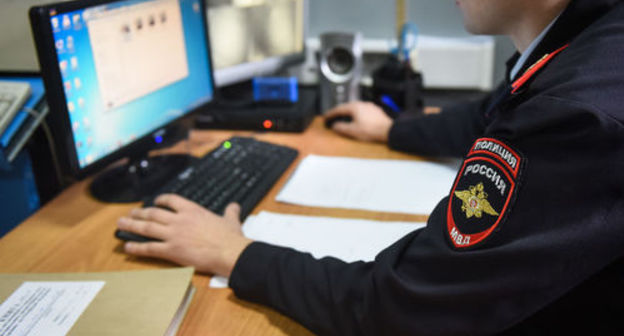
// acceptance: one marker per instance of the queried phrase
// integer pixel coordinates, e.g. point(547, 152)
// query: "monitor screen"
point(254, 37)
point(129, 68)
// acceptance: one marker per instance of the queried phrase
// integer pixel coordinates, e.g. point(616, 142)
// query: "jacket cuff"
point(248, 276)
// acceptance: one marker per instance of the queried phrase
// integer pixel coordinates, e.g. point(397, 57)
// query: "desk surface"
point(74, 233)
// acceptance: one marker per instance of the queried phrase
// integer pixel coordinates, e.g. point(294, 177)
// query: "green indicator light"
point(227, 145)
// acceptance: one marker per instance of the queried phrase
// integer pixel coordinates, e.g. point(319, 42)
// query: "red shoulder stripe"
point(535, 68)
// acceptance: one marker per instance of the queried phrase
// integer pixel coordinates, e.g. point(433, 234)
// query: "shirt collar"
point(525, 55)
point(575, 18)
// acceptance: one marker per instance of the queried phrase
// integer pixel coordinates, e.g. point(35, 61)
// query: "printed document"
point(412, 187)
point(346, 239)
point(46, 308)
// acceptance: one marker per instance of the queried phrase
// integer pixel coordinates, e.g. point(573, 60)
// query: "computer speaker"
point(340, 68)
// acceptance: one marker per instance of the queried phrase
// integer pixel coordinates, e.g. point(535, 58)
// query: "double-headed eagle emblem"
point(474, 202)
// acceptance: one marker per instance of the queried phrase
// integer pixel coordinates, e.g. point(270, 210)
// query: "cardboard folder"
point(151, 302)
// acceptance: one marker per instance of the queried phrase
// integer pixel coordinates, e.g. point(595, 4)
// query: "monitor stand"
point(140, 178)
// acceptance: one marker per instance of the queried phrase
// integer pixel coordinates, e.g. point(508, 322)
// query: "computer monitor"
point(255, 37)
point(118, 75)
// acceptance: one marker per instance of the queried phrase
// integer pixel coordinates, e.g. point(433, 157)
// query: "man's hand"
point(369, 121)
point(190, 235)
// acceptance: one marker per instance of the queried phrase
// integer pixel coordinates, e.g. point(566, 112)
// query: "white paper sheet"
point(46, 308)
point(411, 187)
point(346, 239)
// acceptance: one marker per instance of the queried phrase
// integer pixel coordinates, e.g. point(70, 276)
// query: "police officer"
point(529, 240)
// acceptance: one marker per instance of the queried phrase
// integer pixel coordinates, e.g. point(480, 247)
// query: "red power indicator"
point(267, 124)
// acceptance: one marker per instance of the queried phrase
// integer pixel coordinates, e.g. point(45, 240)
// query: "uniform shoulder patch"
point(483, 191)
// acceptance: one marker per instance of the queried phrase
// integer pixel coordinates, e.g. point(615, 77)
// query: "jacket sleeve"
point(563, 226)
point(448, 133)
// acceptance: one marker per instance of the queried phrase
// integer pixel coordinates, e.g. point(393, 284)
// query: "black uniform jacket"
point(531, 236)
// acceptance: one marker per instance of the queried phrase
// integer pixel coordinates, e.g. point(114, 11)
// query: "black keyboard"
point(240, 170)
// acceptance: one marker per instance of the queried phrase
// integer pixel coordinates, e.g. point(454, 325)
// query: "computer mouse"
point(129, 236)
point(329, 122)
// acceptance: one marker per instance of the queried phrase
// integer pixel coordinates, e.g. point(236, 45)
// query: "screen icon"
point(70, 43)
point(66, 22)
point(76, 21)
point(73, 62)
point(60, 45)
point(55, 23)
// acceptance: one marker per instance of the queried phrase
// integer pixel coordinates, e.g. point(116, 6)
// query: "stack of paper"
point(346, 239)
point(379, 185)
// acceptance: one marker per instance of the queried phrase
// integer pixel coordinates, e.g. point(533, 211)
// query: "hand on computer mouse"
point(329, 122)
point(368, 121)
point(189, 235)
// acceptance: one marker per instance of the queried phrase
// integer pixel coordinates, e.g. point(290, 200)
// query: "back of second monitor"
point(250, 39)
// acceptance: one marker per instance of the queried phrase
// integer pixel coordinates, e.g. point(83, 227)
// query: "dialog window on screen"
point(137, 50)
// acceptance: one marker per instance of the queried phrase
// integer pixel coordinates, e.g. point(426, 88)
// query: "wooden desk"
point(74, 233)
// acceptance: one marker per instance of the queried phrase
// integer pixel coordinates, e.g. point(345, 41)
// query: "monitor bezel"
point(59, 117)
